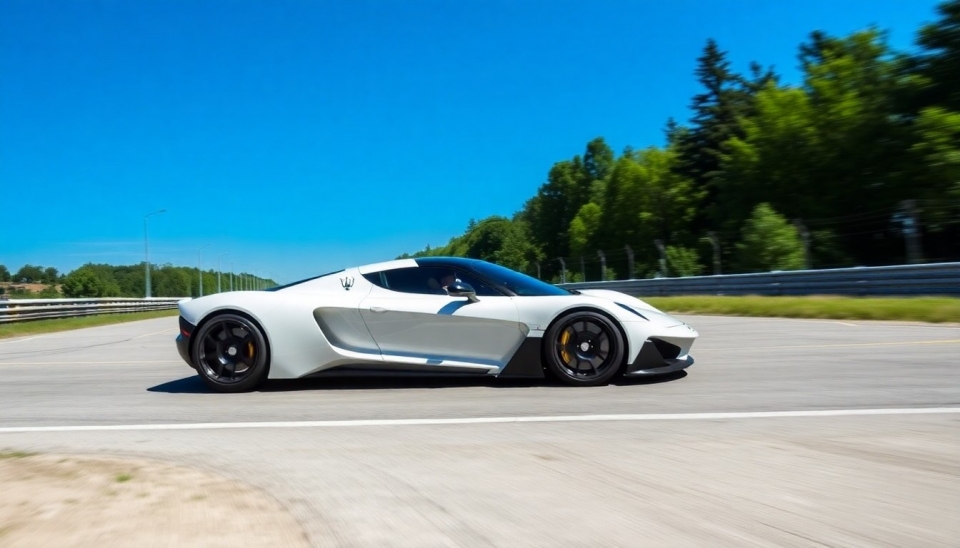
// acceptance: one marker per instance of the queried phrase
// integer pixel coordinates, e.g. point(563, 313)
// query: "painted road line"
point(72, 362)
point(485, 420)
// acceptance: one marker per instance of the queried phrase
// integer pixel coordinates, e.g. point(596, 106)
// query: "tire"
point(584, 349)
point(230, 353)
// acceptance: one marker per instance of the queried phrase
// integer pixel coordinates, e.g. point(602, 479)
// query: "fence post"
point(805, 236)
point(663, 257)
point(603, 266)
point(715, 241)
point(538, 270)
point(583, 270)
point(629, 262)
point(563, 270)
point(911, 231)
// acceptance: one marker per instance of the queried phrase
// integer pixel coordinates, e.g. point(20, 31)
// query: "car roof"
point(447, 261)
point(461, 262)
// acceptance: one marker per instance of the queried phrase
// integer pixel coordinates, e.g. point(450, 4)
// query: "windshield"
point(298, 282)
point(521, 284)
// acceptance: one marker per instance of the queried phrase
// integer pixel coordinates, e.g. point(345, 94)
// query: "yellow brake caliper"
point(564, 338)
point(250, 349)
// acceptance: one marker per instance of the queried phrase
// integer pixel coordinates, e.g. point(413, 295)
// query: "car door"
point(410, 316)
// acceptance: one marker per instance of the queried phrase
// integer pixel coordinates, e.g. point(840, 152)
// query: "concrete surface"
point(890, 480)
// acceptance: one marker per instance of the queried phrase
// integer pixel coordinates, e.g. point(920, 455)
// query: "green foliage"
point(85, 282)
point(936, 64)
point(104, 280)
point(869, 137)
point(683, 261)
point(920, 309)
point(50, 275)
point(769, 242)
point(168, 281)
point(647, 200)
point(935, 153)
point(495, 239)
point(584, 228)
point(29, 274)
point(49, 292)
point(4, 274)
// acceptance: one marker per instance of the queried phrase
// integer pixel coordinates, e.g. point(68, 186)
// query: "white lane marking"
point(154, 333)
point(72, 362)
point(847, 324)
point(20, 340)
point(484, 420)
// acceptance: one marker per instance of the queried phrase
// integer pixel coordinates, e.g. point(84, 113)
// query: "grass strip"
point(65, 324)
point(918, 309)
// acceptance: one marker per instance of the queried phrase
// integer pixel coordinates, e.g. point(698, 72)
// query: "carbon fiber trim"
point(526, 361)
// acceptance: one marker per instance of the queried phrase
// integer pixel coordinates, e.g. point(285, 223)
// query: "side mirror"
point(462, 289)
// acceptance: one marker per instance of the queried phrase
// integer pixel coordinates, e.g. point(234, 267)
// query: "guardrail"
point(20, 310)
point(901, 280)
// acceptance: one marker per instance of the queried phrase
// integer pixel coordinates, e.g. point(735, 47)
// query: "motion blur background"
point(288, 139)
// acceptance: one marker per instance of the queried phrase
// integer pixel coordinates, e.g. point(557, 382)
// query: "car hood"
point(649, 311)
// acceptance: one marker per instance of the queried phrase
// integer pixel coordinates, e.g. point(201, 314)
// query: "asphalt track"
point(784, 433)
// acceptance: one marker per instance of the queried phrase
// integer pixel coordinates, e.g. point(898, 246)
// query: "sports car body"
point(435, 315)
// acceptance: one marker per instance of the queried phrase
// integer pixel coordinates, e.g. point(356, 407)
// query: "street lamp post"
point(219, 269)
point(199, 268)
point(146, 249)
point(231, 276)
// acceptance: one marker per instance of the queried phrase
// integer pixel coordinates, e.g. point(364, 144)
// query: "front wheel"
point(230, 352)
point(584, 349)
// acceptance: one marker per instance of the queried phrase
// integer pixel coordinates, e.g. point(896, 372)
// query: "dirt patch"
point(49, 500)
point(30, 288)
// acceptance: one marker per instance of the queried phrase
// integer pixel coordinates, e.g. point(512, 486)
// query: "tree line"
point(857, 164)
point(104, 280)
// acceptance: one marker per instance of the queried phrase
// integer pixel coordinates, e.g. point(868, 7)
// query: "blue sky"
point(302, 136)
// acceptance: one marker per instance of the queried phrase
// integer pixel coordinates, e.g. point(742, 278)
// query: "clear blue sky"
point(302, 136)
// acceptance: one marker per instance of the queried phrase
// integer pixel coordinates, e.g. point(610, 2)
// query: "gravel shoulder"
point(71, 500)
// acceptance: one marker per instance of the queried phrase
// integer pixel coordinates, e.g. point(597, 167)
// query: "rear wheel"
point(584, 349)
point(230, 352)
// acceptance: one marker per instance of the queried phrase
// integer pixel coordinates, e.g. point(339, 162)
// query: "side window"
point(482, 289)
point(376, 278)
point(426, 280)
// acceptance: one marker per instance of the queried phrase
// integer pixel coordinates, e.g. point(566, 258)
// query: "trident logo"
point(347, 282)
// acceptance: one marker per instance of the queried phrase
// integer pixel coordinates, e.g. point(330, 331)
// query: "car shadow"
point(193, 384)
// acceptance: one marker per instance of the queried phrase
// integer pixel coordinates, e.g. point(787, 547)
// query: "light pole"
point(231, 276)
point(219, 269)
point(199, 269)
point(146, 248)
point(241, 279)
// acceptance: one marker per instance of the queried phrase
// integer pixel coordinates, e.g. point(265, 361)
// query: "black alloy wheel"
point(231, 353)
point(584, 349)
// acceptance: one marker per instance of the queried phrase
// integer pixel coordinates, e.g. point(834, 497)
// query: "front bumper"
point(657, 357)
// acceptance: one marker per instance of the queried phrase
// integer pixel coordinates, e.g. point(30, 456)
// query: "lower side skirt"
point(409, 370)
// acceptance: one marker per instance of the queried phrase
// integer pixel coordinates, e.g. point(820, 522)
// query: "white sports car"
point(436, 315)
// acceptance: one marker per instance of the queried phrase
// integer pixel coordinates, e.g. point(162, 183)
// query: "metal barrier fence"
point(19, 310)
point(901, 280)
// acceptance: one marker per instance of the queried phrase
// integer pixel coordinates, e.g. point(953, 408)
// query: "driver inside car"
point(440, 288)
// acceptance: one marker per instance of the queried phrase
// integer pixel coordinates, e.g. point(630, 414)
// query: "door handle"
point(377, 309)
